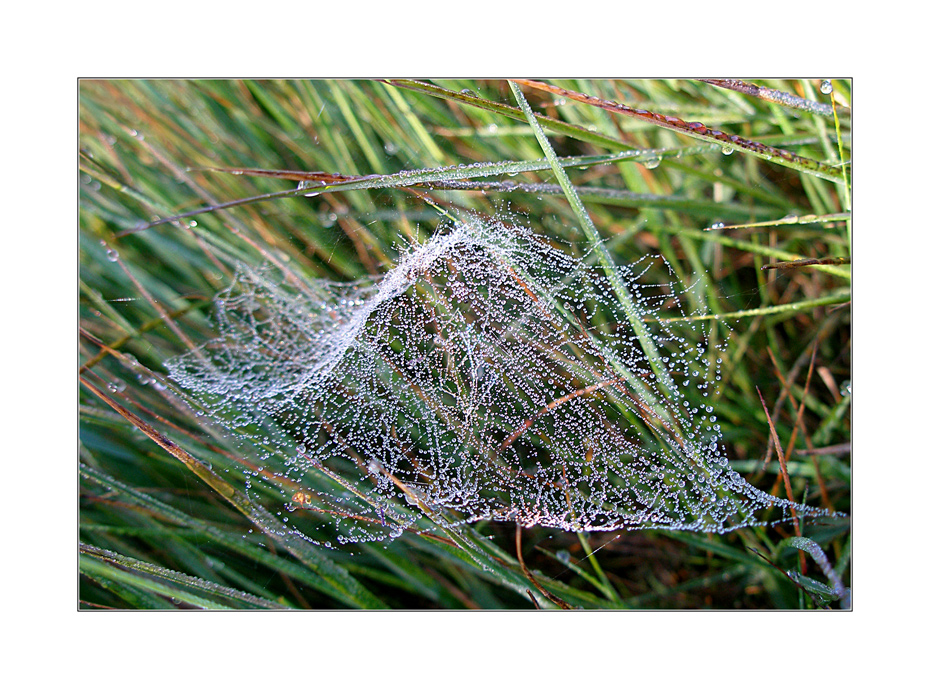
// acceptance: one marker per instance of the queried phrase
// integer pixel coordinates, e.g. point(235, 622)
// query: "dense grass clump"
point(742, 189)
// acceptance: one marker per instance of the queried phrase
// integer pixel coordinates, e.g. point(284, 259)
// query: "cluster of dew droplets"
point(488, 376)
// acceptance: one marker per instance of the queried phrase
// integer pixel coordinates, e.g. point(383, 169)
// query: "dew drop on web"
point(488, 376)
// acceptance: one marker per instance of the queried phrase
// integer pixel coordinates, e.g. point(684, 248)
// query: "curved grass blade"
point(813, 549)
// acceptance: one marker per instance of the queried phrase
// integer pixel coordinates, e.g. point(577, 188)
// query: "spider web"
point(489, 376)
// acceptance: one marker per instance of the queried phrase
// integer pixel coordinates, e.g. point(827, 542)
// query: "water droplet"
point(390, 148)
point(112, 255)
point(117, 386)
point(652, 163)
point(826, 86)
point(534, 401)
point(717, 226)
point(727, 150)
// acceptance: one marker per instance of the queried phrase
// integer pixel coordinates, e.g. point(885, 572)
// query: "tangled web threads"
point(488, 376)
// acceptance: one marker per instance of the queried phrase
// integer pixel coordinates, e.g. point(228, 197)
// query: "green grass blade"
point(591, 233)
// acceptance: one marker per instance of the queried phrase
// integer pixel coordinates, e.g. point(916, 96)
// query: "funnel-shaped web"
point(488, 376)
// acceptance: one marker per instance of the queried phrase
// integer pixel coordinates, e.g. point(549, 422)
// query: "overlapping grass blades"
point(405, 148)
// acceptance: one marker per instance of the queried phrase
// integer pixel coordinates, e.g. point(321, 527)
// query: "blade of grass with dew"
point(699, 131)
point(402, 179)
point(174, 584)
point(597, 244)
point(584, 134)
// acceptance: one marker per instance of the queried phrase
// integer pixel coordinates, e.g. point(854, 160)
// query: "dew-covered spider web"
point(488, 376)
